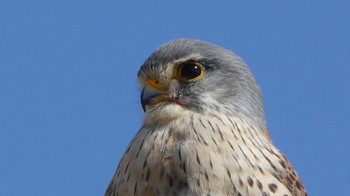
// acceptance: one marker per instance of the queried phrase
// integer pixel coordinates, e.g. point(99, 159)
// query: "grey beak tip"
point(147, 94)
point(143, 101)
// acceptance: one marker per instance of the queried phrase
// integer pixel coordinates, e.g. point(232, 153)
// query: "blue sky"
point(69, 98)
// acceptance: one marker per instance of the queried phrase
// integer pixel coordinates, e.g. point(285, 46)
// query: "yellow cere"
point(154, 83)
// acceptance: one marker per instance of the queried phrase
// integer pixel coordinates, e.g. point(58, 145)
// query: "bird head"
point(186, 75)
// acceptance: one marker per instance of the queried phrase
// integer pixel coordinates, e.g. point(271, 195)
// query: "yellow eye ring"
point(189, 71)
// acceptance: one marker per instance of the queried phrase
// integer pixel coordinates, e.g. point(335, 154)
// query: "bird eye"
point(190, 71)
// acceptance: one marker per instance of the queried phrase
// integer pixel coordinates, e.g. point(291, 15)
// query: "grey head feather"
point(228, 87)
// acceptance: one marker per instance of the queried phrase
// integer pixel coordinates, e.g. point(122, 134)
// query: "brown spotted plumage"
point(204, 130)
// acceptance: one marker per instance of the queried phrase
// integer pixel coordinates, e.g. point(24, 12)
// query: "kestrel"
point(204, 130)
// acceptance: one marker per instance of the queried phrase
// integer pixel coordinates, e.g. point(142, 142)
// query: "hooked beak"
point(152, 93)
point(148, 96)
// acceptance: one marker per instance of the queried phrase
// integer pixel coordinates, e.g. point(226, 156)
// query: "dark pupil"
point(190, 71)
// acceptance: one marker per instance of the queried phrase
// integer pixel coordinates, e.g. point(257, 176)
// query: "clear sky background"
point(69, 98)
